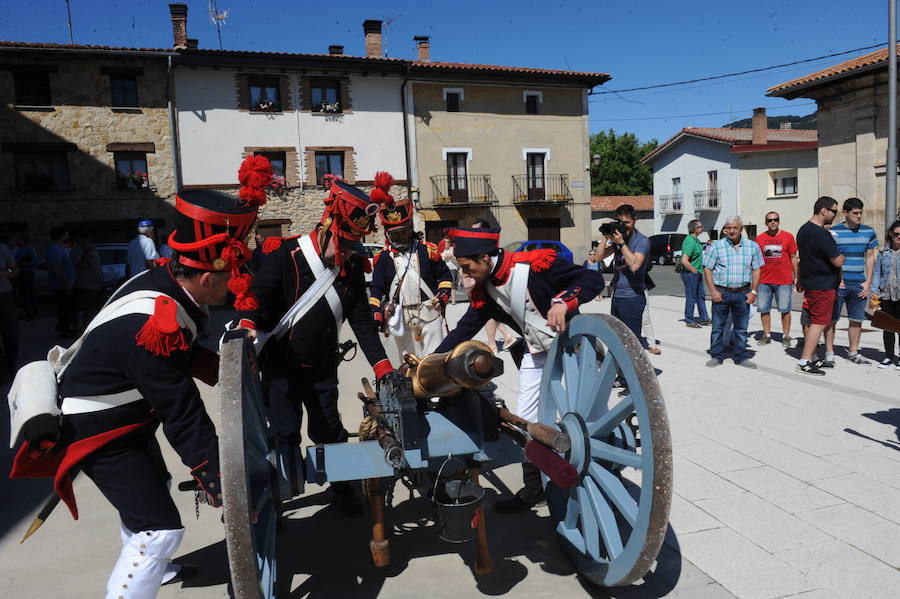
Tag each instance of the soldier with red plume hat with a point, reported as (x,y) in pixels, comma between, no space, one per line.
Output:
(131,371)
(307,287)
(411,284)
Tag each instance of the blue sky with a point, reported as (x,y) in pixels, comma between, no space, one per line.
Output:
(657,42)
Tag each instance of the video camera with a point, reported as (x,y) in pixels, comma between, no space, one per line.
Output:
(609,228)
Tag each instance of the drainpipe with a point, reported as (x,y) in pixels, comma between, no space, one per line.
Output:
(406,155)
(173,124)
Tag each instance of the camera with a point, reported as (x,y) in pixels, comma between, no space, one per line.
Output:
(609,228)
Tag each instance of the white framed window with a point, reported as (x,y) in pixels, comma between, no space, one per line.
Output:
(533,100)
(453,97)
(544,151)
(466,151)
(784,183)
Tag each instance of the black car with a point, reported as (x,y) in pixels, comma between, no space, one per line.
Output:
(666,247)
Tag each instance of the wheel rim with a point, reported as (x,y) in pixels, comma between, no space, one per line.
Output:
(250,493)
(611,529)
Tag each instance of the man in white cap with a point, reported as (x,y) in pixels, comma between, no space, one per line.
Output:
(141,250)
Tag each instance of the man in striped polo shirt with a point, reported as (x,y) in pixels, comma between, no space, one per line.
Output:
(857,242)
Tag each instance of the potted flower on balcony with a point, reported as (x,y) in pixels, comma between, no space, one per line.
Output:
(133,180)
(266,106)
(277,188)
(330,107)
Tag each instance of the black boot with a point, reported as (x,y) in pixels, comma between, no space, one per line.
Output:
(529,496)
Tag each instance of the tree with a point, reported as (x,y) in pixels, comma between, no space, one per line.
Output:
(620,172)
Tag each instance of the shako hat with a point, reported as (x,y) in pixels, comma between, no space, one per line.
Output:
(392,214)
(470,242)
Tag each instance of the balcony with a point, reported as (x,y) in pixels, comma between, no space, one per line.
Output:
(451,192)
(707,200)
(549,189)
(672,203)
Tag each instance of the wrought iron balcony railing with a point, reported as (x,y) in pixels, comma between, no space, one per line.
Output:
(707,200)
(468,189)
(530,189)
(672,203)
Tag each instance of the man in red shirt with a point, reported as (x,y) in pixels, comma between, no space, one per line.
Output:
(777,277)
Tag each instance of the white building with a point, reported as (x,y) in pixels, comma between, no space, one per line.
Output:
(711,173)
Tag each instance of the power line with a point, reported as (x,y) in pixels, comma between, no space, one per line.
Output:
(757,70)
(684,116)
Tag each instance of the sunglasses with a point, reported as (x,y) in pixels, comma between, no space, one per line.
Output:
(832,210)
(773,220)
(896,233)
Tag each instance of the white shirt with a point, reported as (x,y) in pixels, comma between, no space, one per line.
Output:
(140,249)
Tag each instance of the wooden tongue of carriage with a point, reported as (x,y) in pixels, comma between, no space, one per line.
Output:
(602,444)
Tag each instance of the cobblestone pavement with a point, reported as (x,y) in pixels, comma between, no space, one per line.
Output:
(785,485)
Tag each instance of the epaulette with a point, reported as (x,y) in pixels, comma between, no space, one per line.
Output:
(271,244)
(161,334)
(377,256)
(433,252)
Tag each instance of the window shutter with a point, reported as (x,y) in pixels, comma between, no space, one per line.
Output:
(243,89)
(306,95)
(345,94)
(284,88)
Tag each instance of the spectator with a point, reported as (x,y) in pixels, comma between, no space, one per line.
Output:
(777,277)
(857,243)
(648,330)
(9,326)
(165,250)
(26,258)
(61,277)
(731,271)
(630,253)
(141,250)
(692,276)
(592,263)
(818,278)
(88,278)
(445,249)
(886,288)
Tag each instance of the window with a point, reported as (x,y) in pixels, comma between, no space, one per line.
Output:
(32,89)
(325,95)
(785,182)
(676,185)
(265,94)
(531,104)
(712,180)
(278,161)
(124,91)
(329,163)
(131,170)
(42,171)
(452,102)
(457,181)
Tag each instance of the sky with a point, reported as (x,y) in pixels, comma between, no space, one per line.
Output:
(637,44)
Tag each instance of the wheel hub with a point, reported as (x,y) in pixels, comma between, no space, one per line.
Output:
(580,454)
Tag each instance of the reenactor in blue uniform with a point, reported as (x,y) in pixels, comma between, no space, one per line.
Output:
(131,372)
(411,284)
(536,294)
(300,366)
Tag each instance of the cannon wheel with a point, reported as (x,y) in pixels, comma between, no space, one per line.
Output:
(612,532)
(250,493)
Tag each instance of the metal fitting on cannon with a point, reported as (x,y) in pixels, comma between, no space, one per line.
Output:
(470,365)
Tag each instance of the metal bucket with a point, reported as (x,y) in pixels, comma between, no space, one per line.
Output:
(457,505)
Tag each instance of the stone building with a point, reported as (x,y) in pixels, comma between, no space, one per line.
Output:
(852,116)
(507,144)
(85,139)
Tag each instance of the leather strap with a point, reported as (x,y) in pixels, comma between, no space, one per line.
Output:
(319,270)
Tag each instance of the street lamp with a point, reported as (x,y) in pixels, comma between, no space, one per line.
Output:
(596,159)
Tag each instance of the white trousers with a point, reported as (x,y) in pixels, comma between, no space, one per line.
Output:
(432,331)
(143,563)
(528,402)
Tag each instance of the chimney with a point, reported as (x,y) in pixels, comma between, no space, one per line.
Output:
(786,125)
(760,133)
(335,49)
(179,25)
(372,29)
(424,45)
(193,43)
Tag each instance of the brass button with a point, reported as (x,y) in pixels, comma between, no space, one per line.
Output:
(212,485)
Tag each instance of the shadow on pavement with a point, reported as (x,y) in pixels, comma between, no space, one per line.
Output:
(890,417)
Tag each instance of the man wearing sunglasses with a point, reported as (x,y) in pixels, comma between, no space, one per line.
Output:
(777,277)
(818,277)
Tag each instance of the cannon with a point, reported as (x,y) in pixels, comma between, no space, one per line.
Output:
(602,443)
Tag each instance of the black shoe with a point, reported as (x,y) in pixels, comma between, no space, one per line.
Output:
(344,498)
(516,504)
(187,571)
(823,363)
(810,368)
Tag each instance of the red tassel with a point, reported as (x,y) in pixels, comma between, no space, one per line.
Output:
(381,193)
(240,284)
(246,303)
(161,335)
(254,175)
(366,264)
(476,296)
(271,244)
(539,259)
(161,261)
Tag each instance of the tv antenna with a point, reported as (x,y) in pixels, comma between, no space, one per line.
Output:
(218,18)
(69,12)
(386,27)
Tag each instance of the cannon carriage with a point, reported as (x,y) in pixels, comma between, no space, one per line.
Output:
(602,444)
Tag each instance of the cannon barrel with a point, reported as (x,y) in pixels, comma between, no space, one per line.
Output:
(469,365)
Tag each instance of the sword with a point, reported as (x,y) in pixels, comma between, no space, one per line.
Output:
(45,511)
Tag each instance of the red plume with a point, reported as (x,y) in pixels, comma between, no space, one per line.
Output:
(381,193)
(254,175)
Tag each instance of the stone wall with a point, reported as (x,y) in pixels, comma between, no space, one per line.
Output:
(81,115)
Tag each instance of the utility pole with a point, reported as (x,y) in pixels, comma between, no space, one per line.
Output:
(890,172)
(69,13)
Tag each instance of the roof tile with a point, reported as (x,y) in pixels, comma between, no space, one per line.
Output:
(870,59)
(610,203)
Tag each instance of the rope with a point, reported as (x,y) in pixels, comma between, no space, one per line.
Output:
(368,429)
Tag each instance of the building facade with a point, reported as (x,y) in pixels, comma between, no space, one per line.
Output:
(506,144)
(852,115)
(713,173)
(85,139)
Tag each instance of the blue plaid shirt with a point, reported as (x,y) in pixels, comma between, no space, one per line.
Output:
(733,266)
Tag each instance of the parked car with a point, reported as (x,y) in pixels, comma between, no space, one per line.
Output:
(369,250)
(666,247)
(540,244)
(112,263)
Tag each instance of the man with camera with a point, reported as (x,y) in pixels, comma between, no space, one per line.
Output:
(630,249)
